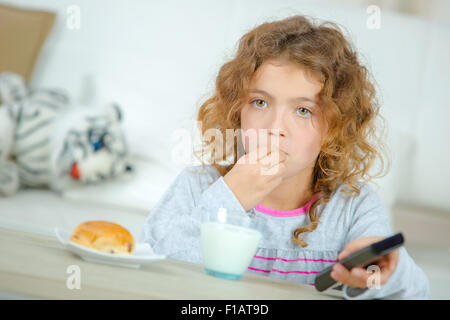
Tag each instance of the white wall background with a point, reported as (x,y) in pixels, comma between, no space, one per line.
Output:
(158,59)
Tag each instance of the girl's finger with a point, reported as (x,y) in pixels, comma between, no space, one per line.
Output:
(273,158)
(393,259)
(271,162)
(275,170)
(259,152)
(264,150)
(385,274)
(360,275)
(383,264)
(388,269)
(350,278)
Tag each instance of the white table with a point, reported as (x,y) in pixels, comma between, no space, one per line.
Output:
(35,266)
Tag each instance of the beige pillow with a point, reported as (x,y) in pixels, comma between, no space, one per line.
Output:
(22,33)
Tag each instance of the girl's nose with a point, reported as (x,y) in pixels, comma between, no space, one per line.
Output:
(277,131)
(276,137)
(277,126)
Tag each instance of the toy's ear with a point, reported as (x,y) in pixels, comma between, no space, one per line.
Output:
(114,112)
(13,87)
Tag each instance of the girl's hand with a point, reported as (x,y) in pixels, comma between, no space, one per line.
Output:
(253,176)
(387,265)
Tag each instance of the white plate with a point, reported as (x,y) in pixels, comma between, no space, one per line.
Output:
(144,254)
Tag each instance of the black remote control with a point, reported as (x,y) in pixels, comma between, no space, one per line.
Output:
(361,258)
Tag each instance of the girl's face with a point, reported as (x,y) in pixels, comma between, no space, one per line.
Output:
(283,96)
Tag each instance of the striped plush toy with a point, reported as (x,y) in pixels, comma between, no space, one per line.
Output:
(46,142)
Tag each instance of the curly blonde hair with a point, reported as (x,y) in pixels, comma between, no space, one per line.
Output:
(347,99)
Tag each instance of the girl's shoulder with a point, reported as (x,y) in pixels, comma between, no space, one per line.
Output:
(353,216)
(202,170)
(365,192)
(359,206)
(200,176)
(343,201)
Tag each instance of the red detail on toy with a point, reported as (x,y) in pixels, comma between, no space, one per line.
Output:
(75,172)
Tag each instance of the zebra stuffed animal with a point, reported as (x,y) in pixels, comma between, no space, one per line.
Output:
(46,142)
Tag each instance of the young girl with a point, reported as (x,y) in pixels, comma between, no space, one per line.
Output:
(303,83)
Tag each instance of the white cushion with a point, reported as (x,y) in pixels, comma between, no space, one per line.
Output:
(140,191)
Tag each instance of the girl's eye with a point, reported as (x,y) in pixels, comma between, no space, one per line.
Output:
(303,111)
(259,103)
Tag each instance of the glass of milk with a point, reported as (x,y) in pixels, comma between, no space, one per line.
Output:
(228,242)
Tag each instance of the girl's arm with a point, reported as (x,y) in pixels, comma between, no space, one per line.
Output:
(408,281)
(173,225)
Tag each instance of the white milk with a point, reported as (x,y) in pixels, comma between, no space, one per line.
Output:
(228,248)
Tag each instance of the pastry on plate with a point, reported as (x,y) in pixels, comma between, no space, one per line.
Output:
(104,236)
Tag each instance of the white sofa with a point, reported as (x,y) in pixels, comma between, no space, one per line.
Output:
(159,59)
